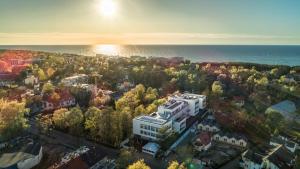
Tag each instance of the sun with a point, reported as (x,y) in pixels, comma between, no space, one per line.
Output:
(108,8)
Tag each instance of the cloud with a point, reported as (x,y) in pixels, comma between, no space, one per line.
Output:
(141,38)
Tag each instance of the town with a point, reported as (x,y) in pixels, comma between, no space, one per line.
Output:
(67,111)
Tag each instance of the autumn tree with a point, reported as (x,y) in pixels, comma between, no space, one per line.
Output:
(12,120)
(138,165)
(176,165)
(48,88)
(217,88)
(125,158)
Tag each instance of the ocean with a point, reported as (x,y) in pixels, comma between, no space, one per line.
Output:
(263,54)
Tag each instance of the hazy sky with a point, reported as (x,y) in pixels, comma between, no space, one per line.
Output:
(150,22)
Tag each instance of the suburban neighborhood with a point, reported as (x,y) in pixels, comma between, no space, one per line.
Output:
(107,113)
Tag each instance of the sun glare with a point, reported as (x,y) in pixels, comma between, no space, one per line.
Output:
(110,50)
(108,8)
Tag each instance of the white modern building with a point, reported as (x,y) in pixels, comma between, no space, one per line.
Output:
(170,116)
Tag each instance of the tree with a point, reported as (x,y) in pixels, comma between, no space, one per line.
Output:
(41,74)
(75,120)
(12,120)
(59,117)
(125,158)
(217,88)
(70,120)
(138,165)
(176,165)
(48,88)
(274,121)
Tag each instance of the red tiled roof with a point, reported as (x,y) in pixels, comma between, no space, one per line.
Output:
(65,95)
(205,138)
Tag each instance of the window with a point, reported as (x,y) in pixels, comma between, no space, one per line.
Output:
(142,132)
(142,126)
(233,141)
(152,128)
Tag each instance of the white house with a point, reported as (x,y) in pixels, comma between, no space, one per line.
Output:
(231,138)
(171,116)
(31,80)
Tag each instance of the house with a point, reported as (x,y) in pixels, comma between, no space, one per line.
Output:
(105,163)
(286,108)
(203,141)
(231,138)
(25,155)
(281,140)
(238,101)
(171,116)
(65,100)
(151,148)
(125,86)
(31,80)
(209,125)
(75,80)
(84,158)
(268,157)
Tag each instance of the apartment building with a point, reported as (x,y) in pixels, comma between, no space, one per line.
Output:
(170,116)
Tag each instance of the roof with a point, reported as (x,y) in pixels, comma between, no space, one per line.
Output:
(152,119)
(280,140)
(151,146)
(254,156)
(232,135)
(204,138)
(284,108)
(281,157)
(11,159)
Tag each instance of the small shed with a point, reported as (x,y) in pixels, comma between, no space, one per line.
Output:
(151,148)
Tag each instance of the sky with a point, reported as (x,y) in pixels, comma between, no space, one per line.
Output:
(39,22)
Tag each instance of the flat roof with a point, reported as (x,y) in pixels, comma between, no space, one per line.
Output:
(152,119)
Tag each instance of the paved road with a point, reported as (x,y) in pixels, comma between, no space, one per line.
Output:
(71,141)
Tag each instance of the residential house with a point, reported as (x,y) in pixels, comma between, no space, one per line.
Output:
(203,141)
(281,140)
(75,80)
(231,138)
(65,100)
(171,116)
(268,157)
(31,80)
(238,101)
(84,158)
(209,125)
(25,155)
